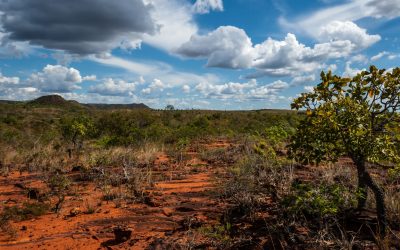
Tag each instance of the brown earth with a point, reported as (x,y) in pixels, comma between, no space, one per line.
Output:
(183,200)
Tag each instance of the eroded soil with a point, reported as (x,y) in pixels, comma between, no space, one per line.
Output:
(183,199)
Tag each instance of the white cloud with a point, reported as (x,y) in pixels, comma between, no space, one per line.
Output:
(230,47)
(388,55)
(205,6)
(142,80)
(289,57)
(12,49)
(18,93)
(155,69)
(268,92)
(225,47)
(351,10)
(112,87)
(56,78)
(299,80)
(309,88)
(223,90)
(359,58)
(8,80)
(346,30)
(90,78)
(186,89)
(383,8)
(175,24)
(351,72)
(156,85)
(240,92)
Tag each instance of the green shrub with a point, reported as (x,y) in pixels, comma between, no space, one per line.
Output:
(318,201)
(25,212)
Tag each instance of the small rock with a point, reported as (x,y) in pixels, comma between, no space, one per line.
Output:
(167,211)
(77,169)
(74,212)
(20,185)
(24,228)
(184,209)
(122,233)
(33,194)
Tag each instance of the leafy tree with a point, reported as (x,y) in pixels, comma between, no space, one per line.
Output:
(75,130)
(169,107)
(350,117)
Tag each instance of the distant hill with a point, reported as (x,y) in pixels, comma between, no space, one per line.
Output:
(54,100)
(117,106)
(59,101)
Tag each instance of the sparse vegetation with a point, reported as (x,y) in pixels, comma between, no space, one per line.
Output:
(214,179)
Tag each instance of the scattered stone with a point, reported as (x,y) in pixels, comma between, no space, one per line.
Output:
(74,212)
(33,194)
(122,233)
(20,185)
(184,209)
(167,211)
(24,228)
(77,169)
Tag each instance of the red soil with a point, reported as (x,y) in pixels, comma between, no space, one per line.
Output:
(178,204)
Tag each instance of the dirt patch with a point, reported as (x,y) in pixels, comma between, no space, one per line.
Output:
(177,205)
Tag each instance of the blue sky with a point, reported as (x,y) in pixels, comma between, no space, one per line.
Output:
(208,54)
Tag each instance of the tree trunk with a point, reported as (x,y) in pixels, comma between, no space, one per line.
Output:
(362,189)
(380,203)
(365,181)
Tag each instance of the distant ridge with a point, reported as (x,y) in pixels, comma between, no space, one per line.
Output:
(53,100)
(59,101)
(117,106)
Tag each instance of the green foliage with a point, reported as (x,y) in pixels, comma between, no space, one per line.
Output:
(394,173)
(76,129)
(276,136)
(349,117)
(169,107)
(59,183)
(320,201)
(25,212)
(219,232)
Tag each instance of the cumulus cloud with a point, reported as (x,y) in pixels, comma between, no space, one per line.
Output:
(186,88)
(289,57)
(300,80)
(225,47)
(156,85)
(112,87)
(4,80)
(77,26)
(269,91)
(309,88)
(205,6)
(230,47)
(223,90)
(351,72)
(90,78)
(56,78)
(18,93)
(346,30)
(240,92)
(175,24)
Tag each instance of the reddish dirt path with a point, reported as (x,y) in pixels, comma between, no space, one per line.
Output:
(185,198)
